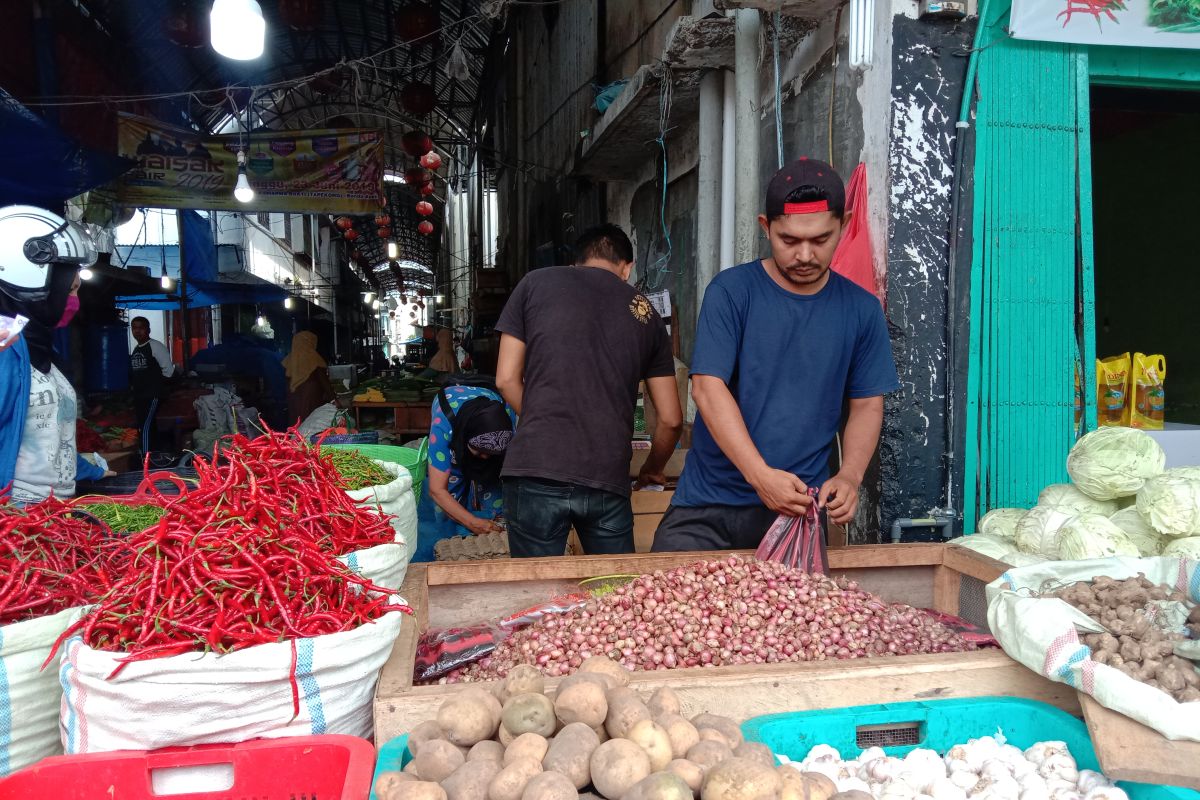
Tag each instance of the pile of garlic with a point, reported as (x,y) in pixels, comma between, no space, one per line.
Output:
(982,769)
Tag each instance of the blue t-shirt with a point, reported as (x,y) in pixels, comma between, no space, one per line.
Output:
(485,501)
(791,361)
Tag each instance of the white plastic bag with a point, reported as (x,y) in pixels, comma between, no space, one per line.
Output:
(204,698)
(29,695)
(1043,634)
(386,564)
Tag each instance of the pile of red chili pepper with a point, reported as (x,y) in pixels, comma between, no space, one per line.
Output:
(50,559)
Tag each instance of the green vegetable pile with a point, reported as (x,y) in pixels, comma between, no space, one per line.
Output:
(1176,16)
(357,470)
(122,518)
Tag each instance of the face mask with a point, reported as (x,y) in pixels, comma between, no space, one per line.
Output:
(69,311)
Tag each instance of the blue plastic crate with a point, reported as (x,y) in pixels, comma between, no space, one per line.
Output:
(937,725)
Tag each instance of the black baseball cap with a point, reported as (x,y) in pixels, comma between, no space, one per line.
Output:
(828,193)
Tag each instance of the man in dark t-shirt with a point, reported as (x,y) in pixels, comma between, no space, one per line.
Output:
(576,343)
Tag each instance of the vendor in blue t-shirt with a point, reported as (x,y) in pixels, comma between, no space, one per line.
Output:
(782,346)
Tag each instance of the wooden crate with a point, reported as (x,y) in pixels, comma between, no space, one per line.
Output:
(923,575)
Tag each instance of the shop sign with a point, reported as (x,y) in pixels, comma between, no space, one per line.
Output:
(1130,23)
(323,171)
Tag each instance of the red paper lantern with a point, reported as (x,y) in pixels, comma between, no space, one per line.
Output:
(426,228)
(426,189)
(416,143)
(186,24)
(351,235)
(344,223)
(418,98)
(384,233)
(425,209)
(416,21)
(431,160)
(301,15)
(383,220)
(417,176)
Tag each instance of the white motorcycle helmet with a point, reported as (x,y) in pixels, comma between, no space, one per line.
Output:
(31,239)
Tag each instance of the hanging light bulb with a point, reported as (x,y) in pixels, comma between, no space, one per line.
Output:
(242,191)
(287,302)
(393,251)
(237,29)
(86,274)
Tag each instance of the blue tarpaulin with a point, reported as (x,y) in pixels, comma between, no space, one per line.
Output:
(40,165)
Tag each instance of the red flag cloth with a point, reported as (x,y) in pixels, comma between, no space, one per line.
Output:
(854,258)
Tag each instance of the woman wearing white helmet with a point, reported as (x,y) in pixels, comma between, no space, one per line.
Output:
(40,258)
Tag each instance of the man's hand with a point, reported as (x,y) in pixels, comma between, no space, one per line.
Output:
(839,496)
(646,478)
(480,527)
(782,492)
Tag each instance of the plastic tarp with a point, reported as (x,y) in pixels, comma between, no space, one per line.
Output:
(42,166)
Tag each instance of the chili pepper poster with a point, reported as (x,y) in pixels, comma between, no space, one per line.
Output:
(315,171)
(1132,23)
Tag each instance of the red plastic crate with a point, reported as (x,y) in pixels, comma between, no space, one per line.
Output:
(298,768)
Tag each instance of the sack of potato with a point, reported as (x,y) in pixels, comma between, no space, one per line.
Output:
(594,737)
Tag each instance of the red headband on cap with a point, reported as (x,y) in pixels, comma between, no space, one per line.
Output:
(815,207)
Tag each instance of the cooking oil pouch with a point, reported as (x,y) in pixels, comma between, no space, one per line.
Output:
(1149,399)
(1112,390)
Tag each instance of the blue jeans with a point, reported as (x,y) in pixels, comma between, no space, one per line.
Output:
(540,514)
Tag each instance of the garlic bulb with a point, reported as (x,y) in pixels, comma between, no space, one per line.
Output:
(1106,793)
(1089,780)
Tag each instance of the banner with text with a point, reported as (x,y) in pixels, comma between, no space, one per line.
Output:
(319,171)
(1131,23)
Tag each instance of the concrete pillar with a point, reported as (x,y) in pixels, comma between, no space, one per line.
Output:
(748,199)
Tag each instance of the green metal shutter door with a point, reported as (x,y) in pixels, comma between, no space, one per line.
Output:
(1020,404)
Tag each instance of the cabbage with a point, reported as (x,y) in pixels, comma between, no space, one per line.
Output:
(1001,522)
(1066,497)
(1093,536)
(1148,541)
(1037,532)
(996,547)
(1114,462)
(1171,505)
(1186,546)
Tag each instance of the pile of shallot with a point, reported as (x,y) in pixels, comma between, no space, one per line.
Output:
(714,613)
(982,769)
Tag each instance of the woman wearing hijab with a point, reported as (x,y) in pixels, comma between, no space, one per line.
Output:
(308,378)
(41,256)
(471,429)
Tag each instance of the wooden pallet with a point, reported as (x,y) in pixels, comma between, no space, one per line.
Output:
(922,575)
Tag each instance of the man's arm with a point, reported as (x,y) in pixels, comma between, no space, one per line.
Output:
(664,394)
(510,371)
(840,493)
(780,491)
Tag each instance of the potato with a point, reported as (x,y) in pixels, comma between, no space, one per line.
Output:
(617,765)
(799,785)
(664,701)
(725,725)
(753,751)
(625,709)
(416,790)
(471,780)
(550,786)
(529,713)
(691,772)
(581,701)
(740,779)
(523,679)
(437,760)
(469,717)
(527,745)
(660,786)
(422,733)
(487,750)
(509,783)
(713,735)
(652,738)
(682,733)
(709,754)
(388,783)
(571,753)
(607,666)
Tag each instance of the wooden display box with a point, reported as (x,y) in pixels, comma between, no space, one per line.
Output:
(923,575)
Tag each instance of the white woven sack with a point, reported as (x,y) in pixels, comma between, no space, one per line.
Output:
(204,698)
(1043,634)
(395,499)
(29,695)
